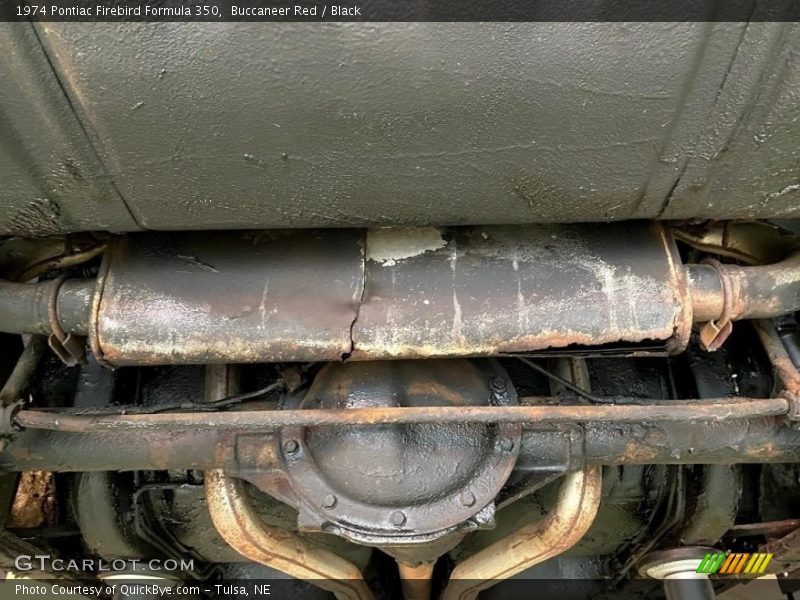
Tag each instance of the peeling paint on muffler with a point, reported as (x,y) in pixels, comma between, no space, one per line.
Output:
(282,296)
(496,290)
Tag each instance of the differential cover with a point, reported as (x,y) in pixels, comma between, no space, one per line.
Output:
(379,483)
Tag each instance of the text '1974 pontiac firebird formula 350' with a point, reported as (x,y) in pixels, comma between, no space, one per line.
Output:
(415,310)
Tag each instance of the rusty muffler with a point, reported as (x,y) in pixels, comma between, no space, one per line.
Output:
(389,294)
(329,295)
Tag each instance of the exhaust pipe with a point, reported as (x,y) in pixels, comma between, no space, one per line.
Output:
(570,519)
(245,532)
(277,548)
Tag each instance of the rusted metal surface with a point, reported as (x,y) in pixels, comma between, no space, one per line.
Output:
(752,242)
(311,295)
(496,290)
(240,525)
(23,259)
(785,548)
(537,410)
(568,521)
(35,501)
(755,440)
(438,479)
(117,451)
(712,508)
(713,333)
(12,547)
(228,297)
(763,440)
(415,579)
(20,377)
(243,529)
(73,305)
(68,347)
(396,293)
(221,381)
(757,292)
(26,307)
(768,528)
(776,352)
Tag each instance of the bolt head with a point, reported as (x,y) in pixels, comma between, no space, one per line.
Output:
(291,446)
(397,518)
(506,445)
(468,498)
(329,501)
(498,383)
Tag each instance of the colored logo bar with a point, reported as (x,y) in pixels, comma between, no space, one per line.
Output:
(734,563)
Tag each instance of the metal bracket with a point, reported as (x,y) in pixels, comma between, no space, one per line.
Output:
(8,414)
(69,348)
(714,333)
(794,406)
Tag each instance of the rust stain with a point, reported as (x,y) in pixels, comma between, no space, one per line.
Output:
(415,579)
(764,451)
(533,410)
(637,453)
(35,501)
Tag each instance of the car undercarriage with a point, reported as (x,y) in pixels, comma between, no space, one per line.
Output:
(508,314)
